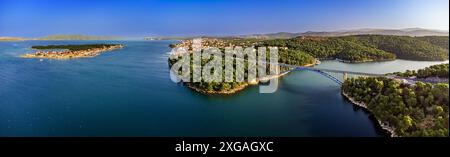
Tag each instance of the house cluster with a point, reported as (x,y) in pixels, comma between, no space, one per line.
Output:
(206,43)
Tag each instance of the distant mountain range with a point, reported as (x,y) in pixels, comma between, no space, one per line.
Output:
(280,35)
(77,37)
(398,32)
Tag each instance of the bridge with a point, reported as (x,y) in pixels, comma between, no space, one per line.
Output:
(337,76)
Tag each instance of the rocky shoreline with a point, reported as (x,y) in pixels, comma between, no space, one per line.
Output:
(242,87)
(235,90)
(383,126)
(69,54)
(228,92)
(363,61)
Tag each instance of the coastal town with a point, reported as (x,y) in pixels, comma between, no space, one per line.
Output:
(219,43)
(74,51)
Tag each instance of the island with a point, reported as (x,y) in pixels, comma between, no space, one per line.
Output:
(71,51)
(62,37)
(401,108)
(12,38)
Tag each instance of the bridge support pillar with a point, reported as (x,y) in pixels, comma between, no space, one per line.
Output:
(345,76)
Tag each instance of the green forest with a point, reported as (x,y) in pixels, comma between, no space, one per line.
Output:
(413,110)
(440,70)
(293,57)
(330,48)
(405,47)
(441,41)
(361,48)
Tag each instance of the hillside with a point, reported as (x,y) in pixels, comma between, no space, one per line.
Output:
(360,48)
(397,32)
(405,47)
(441,41)
(328,48)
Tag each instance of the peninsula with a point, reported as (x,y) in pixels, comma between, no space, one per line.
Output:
(70,51)
(306,50)
(403,109)
(293,57)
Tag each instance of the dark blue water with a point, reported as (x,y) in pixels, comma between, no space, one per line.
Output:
(128,92)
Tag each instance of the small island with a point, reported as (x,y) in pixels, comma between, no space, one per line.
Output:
(70,51)
(12,38)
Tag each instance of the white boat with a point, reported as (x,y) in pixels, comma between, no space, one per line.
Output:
(317,62)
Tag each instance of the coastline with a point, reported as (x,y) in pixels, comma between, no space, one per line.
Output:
(383,126)
(228,92)
(238,89)
(242,87)
(363,61)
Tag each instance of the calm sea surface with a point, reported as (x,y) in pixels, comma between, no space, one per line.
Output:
(128,92)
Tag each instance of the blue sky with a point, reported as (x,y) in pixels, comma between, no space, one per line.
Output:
(135,18)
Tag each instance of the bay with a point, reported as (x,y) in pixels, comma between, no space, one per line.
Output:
(128,92)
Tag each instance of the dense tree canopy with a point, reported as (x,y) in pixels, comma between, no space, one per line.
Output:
(405,47)
(440,70)
(361,48)
(413,110)
(321,47)
(441,41)
(293,57)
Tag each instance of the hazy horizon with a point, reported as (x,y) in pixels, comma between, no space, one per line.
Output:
(225,35)
(38,18)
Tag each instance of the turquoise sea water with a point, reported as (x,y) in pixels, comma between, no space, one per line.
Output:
(128,92)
